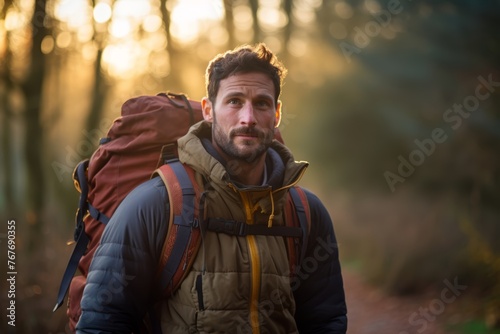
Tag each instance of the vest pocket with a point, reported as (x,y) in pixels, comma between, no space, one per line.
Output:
(199,291)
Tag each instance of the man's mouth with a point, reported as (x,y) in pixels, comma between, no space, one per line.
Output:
(246,134)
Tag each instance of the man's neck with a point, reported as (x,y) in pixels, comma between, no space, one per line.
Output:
(250,174)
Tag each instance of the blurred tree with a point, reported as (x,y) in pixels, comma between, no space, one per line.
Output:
(404,75)
(173,54)
(7,86)
(32,88)
(254,6)
(288,7)
(229,18)
(100,87)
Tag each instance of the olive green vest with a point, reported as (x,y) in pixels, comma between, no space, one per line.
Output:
(236,284)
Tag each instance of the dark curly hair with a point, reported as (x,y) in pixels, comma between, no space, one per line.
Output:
(244,59)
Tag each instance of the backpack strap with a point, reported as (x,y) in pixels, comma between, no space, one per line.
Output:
(173,96)
(297,215)
(242,229)
(81,238)
(296,230)
(183,236)
(184,231)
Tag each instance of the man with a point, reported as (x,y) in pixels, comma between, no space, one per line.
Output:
(237,284)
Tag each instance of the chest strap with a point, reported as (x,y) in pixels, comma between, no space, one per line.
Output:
(241,229)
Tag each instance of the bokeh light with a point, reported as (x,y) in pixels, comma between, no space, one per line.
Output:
(102,12)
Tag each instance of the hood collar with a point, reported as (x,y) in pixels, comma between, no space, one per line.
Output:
(282,169)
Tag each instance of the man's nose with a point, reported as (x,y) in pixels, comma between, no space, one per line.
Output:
(247,114)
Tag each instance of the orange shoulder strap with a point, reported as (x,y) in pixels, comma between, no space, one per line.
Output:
(297,214)
(183,236)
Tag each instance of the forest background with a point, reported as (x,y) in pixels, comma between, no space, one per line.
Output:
(394,103)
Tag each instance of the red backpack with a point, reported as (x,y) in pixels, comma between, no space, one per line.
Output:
(142,143)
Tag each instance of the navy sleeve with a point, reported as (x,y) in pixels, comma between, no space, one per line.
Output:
(119,285)
(318,286)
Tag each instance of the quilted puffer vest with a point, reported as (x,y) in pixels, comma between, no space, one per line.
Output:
(237,284)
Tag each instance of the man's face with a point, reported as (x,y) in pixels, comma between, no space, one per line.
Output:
(244,116)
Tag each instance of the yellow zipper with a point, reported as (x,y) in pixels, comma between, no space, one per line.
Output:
(254,256)
(254,265)
(254,301)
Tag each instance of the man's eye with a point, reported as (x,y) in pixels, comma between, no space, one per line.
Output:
(234,101)
(263,104)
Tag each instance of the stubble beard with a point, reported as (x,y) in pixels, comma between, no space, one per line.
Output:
(227,144)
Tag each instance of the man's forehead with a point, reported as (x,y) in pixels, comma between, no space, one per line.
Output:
(240,82)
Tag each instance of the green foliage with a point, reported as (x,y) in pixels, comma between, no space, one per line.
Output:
(385,108)
(474,327)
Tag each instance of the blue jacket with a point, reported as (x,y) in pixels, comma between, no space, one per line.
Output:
(121,289)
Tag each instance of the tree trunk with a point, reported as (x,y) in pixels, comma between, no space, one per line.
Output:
(99,93)
(33,142)
(288,6)
(174,79)
(228,6)
(254,6)
(6,116)
(8,190)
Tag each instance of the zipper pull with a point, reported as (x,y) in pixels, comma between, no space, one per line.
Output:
(270,221)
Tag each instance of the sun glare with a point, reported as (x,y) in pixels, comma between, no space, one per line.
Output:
(134,29)
(242,17)
(152,23)
(102,12)
(125,59)
(191,18)
(272,18)
(136,9)
(15,20)
(120,28)
(73,13)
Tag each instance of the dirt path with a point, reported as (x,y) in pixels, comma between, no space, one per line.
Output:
(370,311)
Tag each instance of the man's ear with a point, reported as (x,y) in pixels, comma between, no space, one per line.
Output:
(207,109)
(278,114)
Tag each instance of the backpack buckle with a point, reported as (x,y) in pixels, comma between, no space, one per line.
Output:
(231,227)
(168,154)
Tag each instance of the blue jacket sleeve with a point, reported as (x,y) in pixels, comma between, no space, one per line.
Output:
(119,286)
(318,286)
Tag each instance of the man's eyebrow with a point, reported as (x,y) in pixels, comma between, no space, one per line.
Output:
(265,96)
(233,94)
(262,96)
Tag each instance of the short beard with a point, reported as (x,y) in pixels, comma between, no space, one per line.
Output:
(226,142)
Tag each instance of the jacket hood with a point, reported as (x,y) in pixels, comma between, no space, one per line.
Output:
(196,150)
(262,204)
